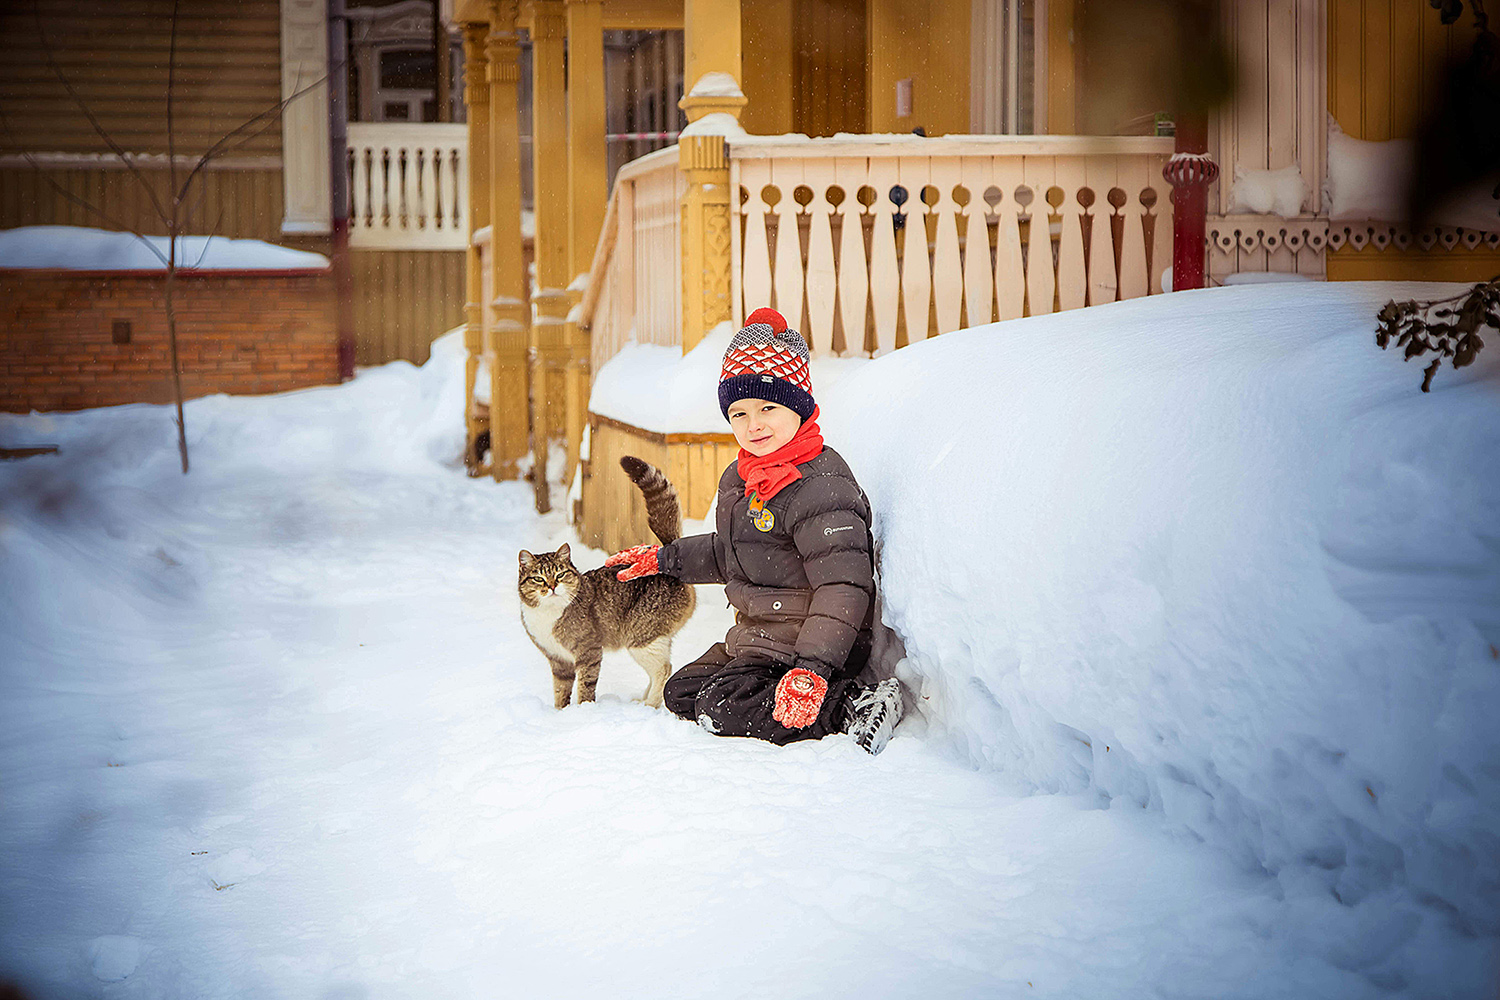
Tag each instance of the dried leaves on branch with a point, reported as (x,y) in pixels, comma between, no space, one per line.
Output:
(1447,327)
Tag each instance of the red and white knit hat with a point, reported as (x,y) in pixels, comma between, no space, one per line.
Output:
(767,361)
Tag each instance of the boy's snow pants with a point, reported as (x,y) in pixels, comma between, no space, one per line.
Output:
(735,697)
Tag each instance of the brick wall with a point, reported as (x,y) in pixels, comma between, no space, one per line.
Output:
(64,347)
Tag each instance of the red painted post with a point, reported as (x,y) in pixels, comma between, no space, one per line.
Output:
(1190,171)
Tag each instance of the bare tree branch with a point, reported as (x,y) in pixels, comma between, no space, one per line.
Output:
(80,202)
(82,106)
(222,145)
(172,135)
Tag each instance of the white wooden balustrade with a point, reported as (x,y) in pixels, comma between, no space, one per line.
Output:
(635,286)
(408,186)
(867,243)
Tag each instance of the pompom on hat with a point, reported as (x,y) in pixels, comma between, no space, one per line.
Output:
(767,361)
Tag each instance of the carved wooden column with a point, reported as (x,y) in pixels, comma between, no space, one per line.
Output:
(711,44)
(550,187)
(1190,171)
(588,195)
(705,236)
(476,100)
(304,122)
(509,418)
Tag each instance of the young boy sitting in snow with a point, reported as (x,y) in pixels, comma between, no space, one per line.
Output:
(792,546)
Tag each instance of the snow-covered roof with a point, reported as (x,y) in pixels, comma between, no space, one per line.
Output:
(78,248)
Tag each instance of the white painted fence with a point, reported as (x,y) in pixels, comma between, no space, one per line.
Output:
(868,243)
(408,186)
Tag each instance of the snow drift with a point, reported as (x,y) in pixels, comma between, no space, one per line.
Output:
(80,248)
(1214,554)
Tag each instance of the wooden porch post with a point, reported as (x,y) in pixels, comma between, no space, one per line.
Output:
(508,329)
(550,184)
(588,194)
(712,45)
(476,99)
(1190,171)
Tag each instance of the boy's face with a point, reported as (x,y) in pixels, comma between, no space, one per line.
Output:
(760,426)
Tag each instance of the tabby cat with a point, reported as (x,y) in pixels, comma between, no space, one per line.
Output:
(574,617)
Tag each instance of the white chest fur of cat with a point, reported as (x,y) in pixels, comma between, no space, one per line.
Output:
(574,617)
(542,619)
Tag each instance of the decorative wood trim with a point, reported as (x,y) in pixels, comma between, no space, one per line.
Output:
(751,147)
(304,122)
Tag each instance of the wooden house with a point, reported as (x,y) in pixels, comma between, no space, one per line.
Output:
(235,62)
(1036,183)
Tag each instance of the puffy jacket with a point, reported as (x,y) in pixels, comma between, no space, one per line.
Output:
(802,580)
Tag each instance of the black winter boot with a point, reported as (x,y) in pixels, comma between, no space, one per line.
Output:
(870,714)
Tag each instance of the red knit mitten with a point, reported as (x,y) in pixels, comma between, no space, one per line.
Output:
(799,696)
(638,560)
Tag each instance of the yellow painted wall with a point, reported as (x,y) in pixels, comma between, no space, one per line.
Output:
(766,62)
(928,41)
(1385,59)
(1062,68)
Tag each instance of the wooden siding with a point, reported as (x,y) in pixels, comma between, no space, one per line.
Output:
(115,54)
(239,204)
(1385,58)
(693,462)
(402,300)
(1385,62)
(1370,264)
(828,90)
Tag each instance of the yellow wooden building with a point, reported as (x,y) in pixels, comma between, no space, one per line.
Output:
(831,142)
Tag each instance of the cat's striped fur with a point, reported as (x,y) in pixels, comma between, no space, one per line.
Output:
(574,617)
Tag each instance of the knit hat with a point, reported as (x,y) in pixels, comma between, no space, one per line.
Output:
(767,361)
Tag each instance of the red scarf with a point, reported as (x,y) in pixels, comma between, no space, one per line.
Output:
(768,475)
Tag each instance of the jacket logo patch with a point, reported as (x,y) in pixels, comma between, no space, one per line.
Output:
(847,527)
(763,521)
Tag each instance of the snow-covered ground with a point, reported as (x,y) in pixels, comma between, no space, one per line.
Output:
(274,729)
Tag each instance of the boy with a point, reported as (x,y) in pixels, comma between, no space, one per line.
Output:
(793,548)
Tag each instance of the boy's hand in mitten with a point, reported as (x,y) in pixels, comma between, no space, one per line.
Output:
(638,560)
(799,697)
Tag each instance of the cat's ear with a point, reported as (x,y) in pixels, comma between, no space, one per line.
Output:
(527,559)
(563,552)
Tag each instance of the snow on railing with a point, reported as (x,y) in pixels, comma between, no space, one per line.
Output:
(408,186)
(867,243)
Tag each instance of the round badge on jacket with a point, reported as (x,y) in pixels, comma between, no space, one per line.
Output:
(764,521)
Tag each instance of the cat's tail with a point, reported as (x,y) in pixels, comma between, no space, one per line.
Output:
(663,513)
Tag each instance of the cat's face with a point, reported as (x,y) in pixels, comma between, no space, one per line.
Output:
(548,576)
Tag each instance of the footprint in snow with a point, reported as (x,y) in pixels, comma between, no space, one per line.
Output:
(114,957)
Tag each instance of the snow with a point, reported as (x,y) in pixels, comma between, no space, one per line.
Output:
(658,388)
(716,84)
(715,123)
(274,728)
(1218,559)
(76,248)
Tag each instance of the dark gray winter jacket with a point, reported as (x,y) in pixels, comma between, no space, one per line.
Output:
(803,580)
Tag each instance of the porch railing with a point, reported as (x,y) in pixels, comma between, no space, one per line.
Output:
(869,243)
(635,284)
(408,186)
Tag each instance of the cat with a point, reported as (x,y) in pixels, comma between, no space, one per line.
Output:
(574,617)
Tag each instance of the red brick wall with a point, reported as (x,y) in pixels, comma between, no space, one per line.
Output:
(237,332)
